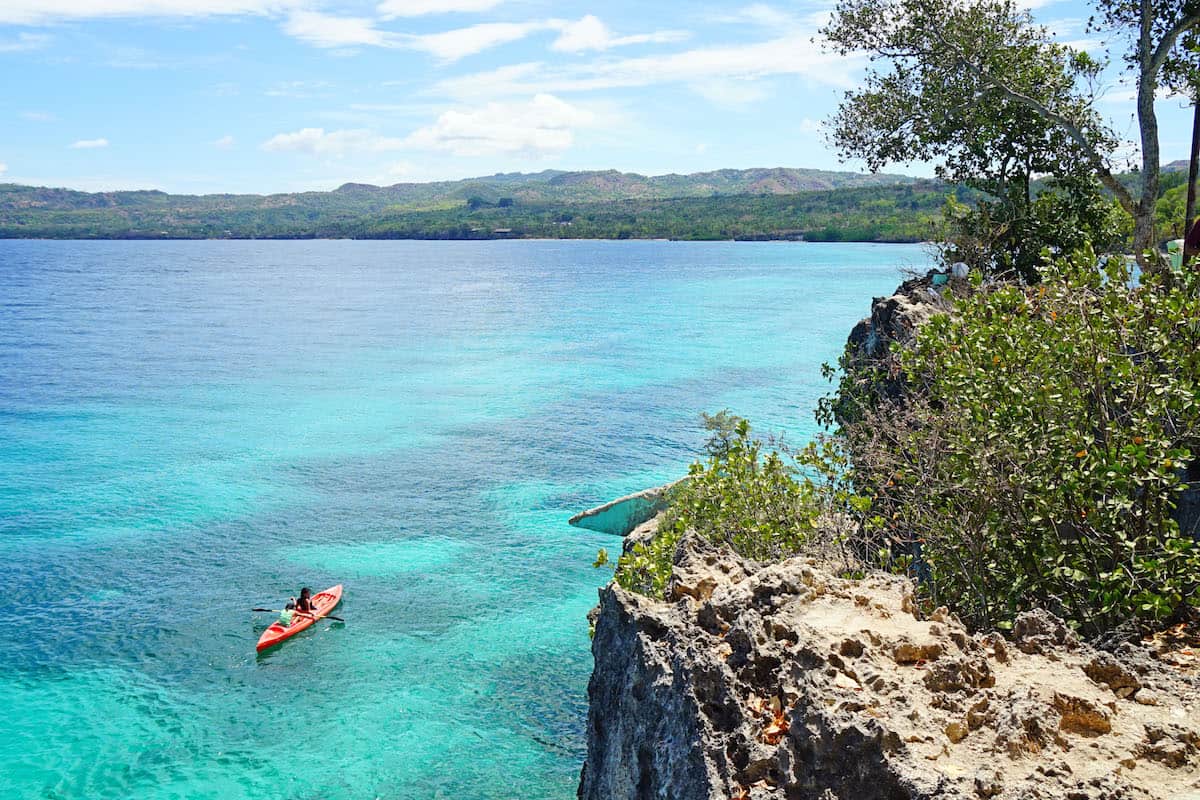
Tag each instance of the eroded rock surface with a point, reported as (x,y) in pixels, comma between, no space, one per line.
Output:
(783,681)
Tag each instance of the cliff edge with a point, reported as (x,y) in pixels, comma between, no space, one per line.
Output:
(785,681)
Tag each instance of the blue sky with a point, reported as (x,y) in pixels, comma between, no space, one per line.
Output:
(281,95)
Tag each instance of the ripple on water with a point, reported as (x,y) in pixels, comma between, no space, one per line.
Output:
(377,559)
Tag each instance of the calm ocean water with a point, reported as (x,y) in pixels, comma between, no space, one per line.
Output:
(188,430)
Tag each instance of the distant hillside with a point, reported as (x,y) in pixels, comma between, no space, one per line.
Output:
(883,212)
(546,186)
(354,209)
(596,186)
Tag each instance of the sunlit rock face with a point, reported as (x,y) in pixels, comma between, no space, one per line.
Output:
(786,681)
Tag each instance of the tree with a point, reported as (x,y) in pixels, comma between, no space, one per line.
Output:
(1159,32)
(980,88)
(1181,74)
(1034,460)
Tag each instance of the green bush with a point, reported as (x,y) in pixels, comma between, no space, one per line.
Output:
(1006,236)
(1036,457)
(754,501)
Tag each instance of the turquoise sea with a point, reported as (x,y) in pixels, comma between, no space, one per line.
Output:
(191,429)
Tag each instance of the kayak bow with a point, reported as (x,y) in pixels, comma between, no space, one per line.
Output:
(322,603)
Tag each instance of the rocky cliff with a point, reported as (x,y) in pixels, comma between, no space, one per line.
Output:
(785,681)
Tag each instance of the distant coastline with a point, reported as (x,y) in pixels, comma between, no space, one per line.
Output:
(734,240)
(745,205)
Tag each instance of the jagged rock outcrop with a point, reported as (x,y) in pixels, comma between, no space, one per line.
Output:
(869,364)
(784,681)
(896,318)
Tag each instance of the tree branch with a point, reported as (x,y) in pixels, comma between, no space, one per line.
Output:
(1070,126)
(1169,37)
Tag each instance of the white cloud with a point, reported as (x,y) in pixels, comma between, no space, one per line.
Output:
(3,168)
(329,31)
(24,41)
(89,144)
(390,9)
(792,54)
(455,44)
(224,143)
(589,33)
(731,94)
(1123,93)
(339,32)
(776,21)
(36,12)
(1085,45)
(332,144)
(326,30)
(38,116)
(544,125)
(300,89)
(761,14)
(394,173)
(1067,27)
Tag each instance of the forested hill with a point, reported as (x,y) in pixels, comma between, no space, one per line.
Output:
(758,203)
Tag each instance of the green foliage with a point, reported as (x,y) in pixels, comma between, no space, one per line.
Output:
(1169,213)
(965,89)
(726,428)
(1036,458)
(995,99)
(1007,238)
(752,500)
(907,212)
(646,567)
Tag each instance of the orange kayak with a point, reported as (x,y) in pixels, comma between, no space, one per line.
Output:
(322,603)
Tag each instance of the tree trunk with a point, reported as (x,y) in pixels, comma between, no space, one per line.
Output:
(1190,213)
(1143,241)
(1143,221)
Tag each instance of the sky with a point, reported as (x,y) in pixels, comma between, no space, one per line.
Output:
(203,96)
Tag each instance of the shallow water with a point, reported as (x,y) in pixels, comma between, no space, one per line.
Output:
(190,429)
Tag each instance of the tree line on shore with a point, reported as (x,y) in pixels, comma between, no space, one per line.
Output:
(889,213)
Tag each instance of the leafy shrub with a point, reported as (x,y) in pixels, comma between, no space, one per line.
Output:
(1006,236)
(1036,458)
(754,501)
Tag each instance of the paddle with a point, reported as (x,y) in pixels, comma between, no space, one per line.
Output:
(300,613)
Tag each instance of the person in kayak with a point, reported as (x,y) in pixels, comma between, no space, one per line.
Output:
(288,614)
(304,604)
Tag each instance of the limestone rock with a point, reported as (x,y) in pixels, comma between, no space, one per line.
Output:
(1105,669)
(1082,715)
(1039,631)
(786,682)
